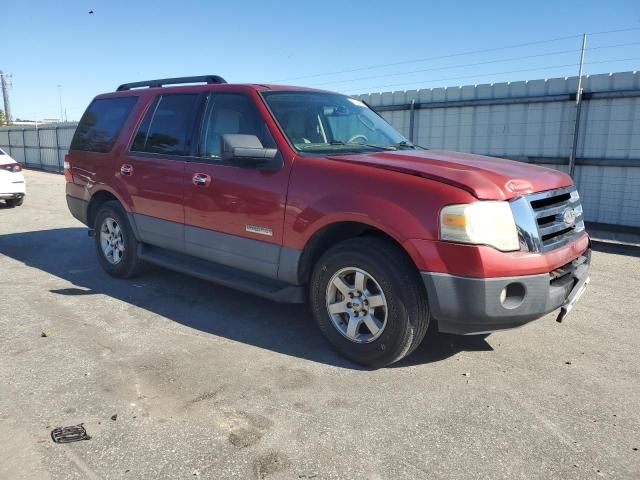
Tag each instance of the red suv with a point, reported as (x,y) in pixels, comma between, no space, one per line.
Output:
(292,193)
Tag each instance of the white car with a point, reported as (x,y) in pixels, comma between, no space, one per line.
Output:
(12,185)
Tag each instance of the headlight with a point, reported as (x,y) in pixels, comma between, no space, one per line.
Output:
(480,223)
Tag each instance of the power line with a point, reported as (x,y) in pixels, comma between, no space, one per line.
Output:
(502,73)
(459,54)
(404,62)
(448,67)
(613,31)
(613,46)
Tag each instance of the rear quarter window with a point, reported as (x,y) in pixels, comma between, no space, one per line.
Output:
(101,123)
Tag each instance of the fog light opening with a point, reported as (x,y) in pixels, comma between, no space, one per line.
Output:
(512,295)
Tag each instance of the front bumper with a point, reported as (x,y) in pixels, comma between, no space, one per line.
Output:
(12,184)
(5,196)
(465,305)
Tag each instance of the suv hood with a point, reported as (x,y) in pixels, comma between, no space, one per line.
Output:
(486,178)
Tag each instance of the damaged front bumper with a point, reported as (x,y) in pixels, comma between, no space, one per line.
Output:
(465,305)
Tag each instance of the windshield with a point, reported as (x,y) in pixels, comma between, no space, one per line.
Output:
(332,123)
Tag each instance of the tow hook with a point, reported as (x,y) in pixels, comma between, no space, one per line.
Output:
(91,232)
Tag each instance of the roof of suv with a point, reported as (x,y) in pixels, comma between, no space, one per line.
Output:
(186,84)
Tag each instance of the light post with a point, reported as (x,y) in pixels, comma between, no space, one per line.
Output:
(60,98)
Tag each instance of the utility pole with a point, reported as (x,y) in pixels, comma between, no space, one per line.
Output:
(576,128)
(5,97)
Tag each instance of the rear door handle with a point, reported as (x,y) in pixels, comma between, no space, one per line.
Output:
(126,170)
(201,180)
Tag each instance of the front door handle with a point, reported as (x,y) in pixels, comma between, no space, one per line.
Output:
(201,180)
(126,170)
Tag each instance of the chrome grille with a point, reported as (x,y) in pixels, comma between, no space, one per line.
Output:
(545,220)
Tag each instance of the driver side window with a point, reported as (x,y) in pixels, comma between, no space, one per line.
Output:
(231,113)
(353,127)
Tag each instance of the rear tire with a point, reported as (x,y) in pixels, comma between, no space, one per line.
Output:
(115,243)
(14,202)
(384,319)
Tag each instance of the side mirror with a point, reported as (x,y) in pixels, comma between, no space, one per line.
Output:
(247,151)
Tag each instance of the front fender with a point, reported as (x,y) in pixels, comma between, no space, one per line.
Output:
(386,216)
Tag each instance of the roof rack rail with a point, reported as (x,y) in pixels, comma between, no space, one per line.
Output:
(171,81)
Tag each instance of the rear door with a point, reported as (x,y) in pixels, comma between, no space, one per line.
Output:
(233,215)
(154,168)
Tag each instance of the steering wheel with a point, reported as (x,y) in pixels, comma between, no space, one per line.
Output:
(359,136)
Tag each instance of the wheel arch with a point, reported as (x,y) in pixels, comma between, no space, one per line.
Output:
(333,233)
(98,199)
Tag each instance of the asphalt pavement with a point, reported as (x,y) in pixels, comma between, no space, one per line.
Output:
(174,377)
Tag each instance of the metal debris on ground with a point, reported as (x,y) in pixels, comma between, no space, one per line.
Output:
(114,417)
(74,433)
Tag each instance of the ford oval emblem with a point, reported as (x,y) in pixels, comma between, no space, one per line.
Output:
(569,217)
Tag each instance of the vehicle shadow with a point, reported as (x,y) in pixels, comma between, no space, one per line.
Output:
(284,328)
(439,346)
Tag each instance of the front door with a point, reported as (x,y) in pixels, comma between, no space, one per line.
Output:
(154,169)
(234,216)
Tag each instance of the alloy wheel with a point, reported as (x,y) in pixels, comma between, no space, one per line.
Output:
(111,240)
(356,305)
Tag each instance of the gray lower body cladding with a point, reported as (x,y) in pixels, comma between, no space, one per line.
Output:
(264,259)
(78,208)
(465,305)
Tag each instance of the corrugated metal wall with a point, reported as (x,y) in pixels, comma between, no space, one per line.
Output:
(534,121)
(531,121)
(43,147)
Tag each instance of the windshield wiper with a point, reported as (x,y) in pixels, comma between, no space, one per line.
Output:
(356,144)
(404,144)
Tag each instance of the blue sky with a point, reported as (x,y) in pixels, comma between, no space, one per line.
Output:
(48,43)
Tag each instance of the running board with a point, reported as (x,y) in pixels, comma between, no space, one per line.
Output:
(223,275)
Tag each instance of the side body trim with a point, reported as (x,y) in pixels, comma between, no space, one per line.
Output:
(233,251)
(246,254)
(158,232)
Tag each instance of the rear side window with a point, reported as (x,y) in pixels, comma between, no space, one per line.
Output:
(101,123)
(166,127)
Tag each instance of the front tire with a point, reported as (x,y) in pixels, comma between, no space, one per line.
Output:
(369,302)
(14,202)
(115,243)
